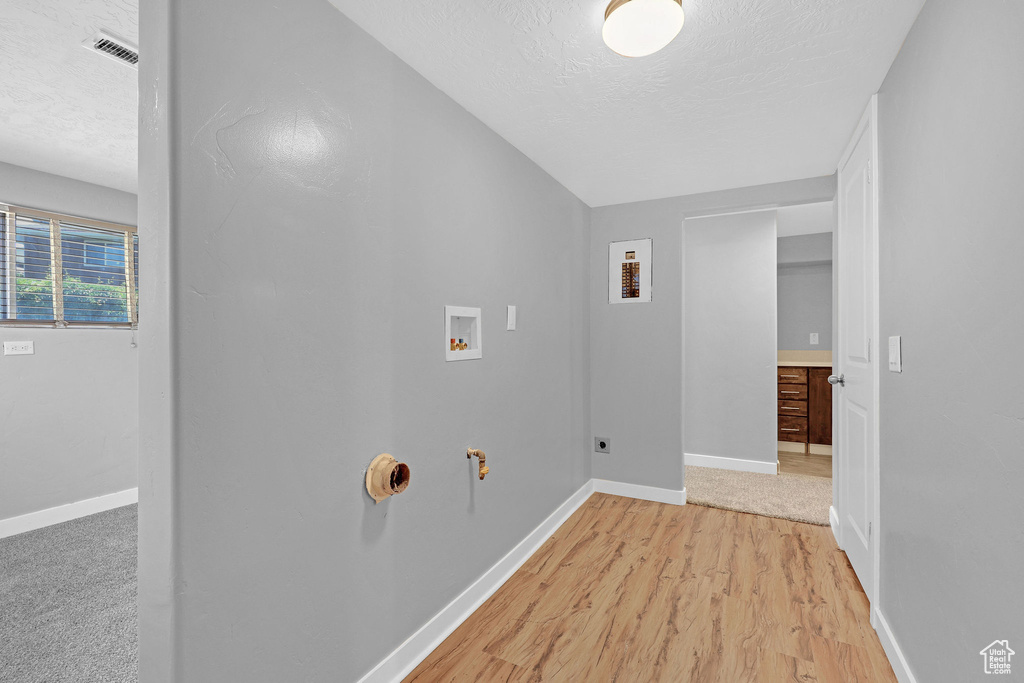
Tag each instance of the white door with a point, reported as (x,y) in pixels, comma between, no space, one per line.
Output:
(855,398)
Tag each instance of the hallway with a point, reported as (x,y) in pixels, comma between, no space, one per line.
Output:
(639,591)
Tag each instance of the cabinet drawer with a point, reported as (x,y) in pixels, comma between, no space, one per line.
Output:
(792,375)
(792,428)
(792,392)
(793,408)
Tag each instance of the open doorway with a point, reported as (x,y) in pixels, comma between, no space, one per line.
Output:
(805,309)
(758,331)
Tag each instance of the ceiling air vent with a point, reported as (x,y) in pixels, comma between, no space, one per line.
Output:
(111,46)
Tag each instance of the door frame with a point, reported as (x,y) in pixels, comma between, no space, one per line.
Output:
(869,120)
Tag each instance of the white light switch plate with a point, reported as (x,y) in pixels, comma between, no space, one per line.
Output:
(22,348)
(814,338)
(895,355)
(511,318)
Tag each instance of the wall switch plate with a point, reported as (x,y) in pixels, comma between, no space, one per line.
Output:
(895,355)
(22,348)
(814,338)
(511,319)
(602,445)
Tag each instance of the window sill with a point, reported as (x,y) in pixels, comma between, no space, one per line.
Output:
(42,324)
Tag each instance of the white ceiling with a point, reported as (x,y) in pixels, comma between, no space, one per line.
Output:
(64,109)
(805,219)
(751,92)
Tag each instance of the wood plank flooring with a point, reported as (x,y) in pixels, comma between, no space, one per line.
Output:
(810,464)
(635,591)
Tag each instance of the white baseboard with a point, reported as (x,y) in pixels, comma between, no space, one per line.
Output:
(833,521)
(892,650)
(658,495)
(65,513)
(415,649)
(814,448)
(718,462)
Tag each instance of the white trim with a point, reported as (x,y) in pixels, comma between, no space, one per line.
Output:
(735,212)
(805,448)
(892,649)
(876,534)
(415,649)
(833,521)
(641,492)
(718,462)
(63,513)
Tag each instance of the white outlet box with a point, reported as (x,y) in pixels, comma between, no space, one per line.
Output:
(22,348)
(814,338)
(462,327)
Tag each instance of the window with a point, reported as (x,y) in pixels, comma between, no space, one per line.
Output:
(66,271)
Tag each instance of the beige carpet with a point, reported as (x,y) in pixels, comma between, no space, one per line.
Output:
(788,496)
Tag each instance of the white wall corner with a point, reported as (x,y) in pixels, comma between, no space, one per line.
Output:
(737,464)
(641,492)
(892,649)
(65,513)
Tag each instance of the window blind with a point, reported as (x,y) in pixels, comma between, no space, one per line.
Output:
(27,288)
(94,279)
(66,271)
(135,275)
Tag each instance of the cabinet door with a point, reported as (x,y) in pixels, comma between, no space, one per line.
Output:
(819,406)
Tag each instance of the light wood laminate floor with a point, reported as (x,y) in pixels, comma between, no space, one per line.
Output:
(635,591)
(811,464)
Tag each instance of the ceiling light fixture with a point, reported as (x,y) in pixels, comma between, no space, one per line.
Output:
(637,28)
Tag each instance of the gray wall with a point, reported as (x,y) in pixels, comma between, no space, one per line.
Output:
(70,429)
(38,190)
(805,306)
(952,424)
(805,291)
(636,351)
(321,206)
(730,329)
(802,249)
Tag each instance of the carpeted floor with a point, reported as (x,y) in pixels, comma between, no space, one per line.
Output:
(795,497)
(67,601)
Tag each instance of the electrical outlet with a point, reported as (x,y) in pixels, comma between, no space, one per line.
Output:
(814,338)
(22,348)
(602,445)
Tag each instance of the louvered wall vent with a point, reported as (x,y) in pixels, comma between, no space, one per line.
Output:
(111,46)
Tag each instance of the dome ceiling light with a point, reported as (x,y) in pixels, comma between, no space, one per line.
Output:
(637,28)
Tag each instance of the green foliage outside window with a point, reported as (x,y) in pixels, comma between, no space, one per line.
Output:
(104,301)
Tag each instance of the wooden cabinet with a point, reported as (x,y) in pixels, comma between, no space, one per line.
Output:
(819,406)
(805,405)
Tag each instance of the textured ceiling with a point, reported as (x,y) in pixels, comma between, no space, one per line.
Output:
(751,92)
(64,109)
